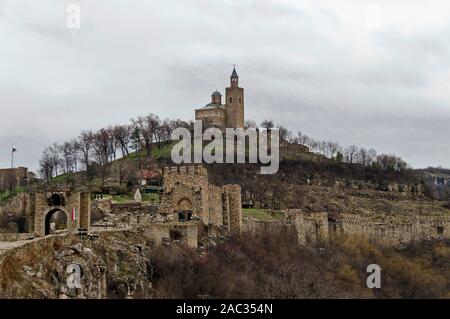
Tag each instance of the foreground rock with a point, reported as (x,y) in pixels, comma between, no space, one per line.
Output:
(116,265)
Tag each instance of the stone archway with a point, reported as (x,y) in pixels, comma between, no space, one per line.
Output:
(57,216)
(184,209)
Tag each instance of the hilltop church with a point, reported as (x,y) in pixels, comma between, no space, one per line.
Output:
(230,114)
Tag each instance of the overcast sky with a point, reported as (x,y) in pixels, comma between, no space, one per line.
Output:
(370,73)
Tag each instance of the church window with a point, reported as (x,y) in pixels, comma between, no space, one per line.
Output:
(231,100)
(240,101)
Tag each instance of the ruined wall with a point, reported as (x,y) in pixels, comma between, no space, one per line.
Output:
(85,210)
(19,204)
(391,232)
(219,206)
(320,227)
(189,234)
(185,182)
(215,205)
(234,208)
(72,200)
(316,227)
(272,226)
(13,176)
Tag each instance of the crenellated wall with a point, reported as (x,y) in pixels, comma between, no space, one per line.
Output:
(186,189)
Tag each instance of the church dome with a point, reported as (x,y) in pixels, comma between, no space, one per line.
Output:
(216,93)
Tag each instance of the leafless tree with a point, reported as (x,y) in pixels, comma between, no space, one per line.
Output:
(350,154)
(101,146)
(76,148)
(303,139)
(333,149)
(267,124)
(147,128)
(122,134)
(67,156)
(86,141)
(102,151)
(250,124)
(49,162)
(113,143)
(391,163)
(285,134)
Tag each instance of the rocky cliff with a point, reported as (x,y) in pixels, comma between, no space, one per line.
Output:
(112,265)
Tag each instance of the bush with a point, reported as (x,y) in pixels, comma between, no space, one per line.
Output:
(274,266)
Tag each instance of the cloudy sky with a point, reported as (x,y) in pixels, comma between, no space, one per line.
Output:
(370,73)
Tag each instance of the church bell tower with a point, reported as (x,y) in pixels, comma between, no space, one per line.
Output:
(234,101)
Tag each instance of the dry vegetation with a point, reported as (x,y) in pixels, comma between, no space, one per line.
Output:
(271,266)
(364,202)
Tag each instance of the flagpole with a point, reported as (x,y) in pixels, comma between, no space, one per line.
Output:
(13,150)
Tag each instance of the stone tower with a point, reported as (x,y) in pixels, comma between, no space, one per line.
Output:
(234,101)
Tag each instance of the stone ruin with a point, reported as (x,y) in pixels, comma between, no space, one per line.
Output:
(39,208)
(188,196)
(190,209)
(323,227)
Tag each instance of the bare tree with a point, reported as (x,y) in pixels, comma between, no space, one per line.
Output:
(122,134)
(250,124)
(102,151)
(285,134)
(113,143)
(102,146)
(303,139)
(49,162)
(147,128)
(68,156)
(86,141)
(333,149)
(267,124)
(350,154)
(391,163)
(76,148)
(371,156)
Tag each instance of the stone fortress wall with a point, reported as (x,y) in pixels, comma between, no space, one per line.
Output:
(320,227)
(13,176)
(186,189)
(38,206)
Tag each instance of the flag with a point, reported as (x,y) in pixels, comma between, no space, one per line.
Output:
(74,214)
(14,149)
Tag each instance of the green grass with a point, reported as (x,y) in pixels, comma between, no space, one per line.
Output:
(262,214)
(62,177)
(157,152)
(6,195)
(150,198)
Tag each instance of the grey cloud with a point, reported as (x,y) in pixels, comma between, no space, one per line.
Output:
(308,65)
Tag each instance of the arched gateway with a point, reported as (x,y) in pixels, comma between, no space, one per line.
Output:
(58,211)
